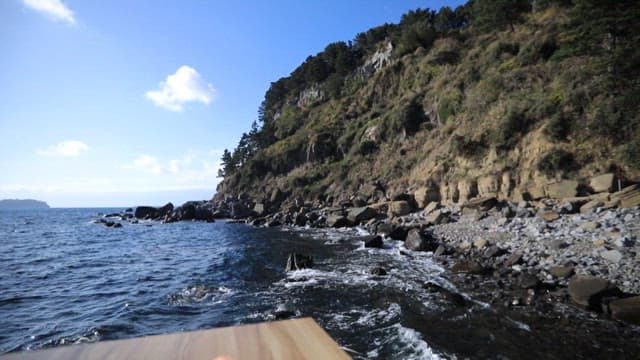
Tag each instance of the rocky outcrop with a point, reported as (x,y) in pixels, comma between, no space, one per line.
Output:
(152,213)
(399,208)
(298,262)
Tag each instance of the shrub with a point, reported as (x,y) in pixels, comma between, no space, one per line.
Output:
(557,160)
(631,154)
(466,147)
(509,130)
(558,127)
(367,147)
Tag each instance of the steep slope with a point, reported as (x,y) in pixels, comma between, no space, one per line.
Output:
(457,103)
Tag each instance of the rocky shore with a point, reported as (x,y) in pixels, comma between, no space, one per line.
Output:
(582,251)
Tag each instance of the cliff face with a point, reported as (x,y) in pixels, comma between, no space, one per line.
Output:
(466,113)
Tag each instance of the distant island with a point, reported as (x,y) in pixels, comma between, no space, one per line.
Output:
(23,204)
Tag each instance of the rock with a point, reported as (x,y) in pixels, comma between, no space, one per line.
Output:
(629,197)
(528,281)
(128,210)
(488,186)
(562,189)
(238,210)
(399,208)
(437,217)
(440,250)
(627,309)
(494,251)
(378,270)
(298,262)
(467,189)
(146,212)
(535,192)
(561,271)
(417,241)
(479,243)
(591,205)
(514,259)
(468,267)
(612,255)
(433,206)
(337,221)
(361,214)
(426,195)
(483,204)
(588,291)
(259,209)
(117,225)
(590,226)
(603,183)
(372,241)
(598,242)
(453,297)
(550,216)
(392,231)
(283,313)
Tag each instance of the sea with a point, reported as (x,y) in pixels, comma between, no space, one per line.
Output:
(65,279)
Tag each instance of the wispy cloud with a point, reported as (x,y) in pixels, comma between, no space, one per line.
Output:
(185,86)
(54,9)
(65,148)
(146,163)
(195,168)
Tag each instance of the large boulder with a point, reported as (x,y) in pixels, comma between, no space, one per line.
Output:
(418,241)
(399,208)
(629,197)
(437,217)
(603,183)
(145,212)
(426,195)
(562,189)
(361,214)
(392,231)
(337,221)
(372,241)
(484,204)
(626,309)
(588,291)
(298,262)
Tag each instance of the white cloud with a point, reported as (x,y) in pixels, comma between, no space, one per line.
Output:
(55,9)
(65,148)
(185,86)
(146,163)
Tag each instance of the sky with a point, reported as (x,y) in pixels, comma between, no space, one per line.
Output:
(124,103)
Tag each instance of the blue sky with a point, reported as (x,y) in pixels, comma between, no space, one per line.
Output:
(122,103)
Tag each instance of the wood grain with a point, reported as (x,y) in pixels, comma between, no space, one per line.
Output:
(289,339)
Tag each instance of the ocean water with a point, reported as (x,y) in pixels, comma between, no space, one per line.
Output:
(66,280)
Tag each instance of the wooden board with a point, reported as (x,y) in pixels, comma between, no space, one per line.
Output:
(289,339)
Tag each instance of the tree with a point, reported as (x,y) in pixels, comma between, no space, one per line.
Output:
(228,167)
(496,14)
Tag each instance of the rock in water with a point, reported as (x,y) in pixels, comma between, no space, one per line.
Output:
(588,291)
(626,309)
(373,241)
(468,267)
(378,270)
(417,241)
(361,214)
(298,262)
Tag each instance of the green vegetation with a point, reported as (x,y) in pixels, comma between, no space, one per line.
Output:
(452,93)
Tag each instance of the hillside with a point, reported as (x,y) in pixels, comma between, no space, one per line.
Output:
(22,204)
(493,97)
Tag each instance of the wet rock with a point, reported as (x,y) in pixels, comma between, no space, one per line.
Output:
(627,309)
(128,210)
(453,297)
(588,291)
(378,271)
(561,271)
(117,225)
(298,262)
(146,212)
(373,241)
(612,255)
(337,221)
(418,241)
(361,214)
(468,267)
(392,231)
(528,281)
(283,313)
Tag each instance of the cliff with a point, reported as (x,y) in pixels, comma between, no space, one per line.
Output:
(452,105)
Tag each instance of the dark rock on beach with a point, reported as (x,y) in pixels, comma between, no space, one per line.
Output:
(419,241)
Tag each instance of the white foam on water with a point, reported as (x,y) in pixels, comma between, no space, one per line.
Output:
(412,340)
